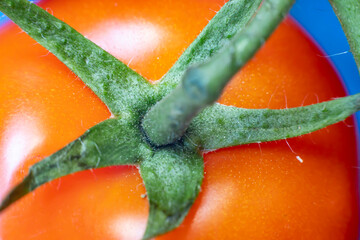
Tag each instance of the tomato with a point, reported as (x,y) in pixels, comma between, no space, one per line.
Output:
(302,188)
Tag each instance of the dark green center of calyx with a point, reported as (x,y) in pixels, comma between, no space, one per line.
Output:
(162,128)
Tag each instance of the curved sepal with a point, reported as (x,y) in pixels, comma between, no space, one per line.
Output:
(118,86)
(230,19)
(202,84)
(222,126)
(348,12)
(112,142)
(172,180)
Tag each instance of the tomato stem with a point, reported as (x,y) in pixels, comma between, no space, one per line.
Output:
(202,85)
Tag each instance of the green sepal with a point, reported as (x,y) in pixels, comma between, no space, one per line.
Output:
(348,12)
(172,178)
(118,86)
(230,19)
(222,126)
(202,84)
(110,143)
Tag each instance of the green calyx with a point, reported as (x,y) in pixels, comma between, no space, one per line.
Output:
(172,178)
(112,142)
(162,128)
(348,12)
(202,84)
(232,126)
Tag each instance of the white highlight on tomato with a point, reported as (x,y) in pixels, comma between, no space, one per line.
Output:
(127,41)
(127,227)
(21,138)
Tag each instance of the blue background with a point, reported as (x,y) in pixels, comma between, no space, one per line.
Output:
(318,18)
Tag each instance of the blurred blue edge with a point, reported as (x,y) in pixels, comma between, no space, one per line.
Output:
(319,20)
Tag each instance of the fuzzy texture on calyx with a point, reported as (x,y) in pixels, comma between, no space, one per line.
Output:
(231,126)
(203,84)
(113,142)
(111,80)
(172,177)
(172,174)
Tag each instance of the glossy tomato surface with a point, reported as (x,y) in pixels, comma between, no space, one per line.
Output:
(302,188)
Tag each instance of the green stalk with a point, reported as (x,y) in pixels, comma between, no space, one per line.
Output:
(201,85)
(231,19)
(348,12)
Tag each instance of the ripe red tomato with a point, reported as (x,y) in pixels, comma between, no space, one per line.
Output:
(302,188)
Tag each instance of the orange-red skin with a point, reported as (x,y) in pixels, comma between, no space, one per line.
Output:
(256,191)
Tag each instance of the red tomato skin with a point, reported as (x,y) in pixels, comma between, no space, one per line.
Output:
(256,191)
